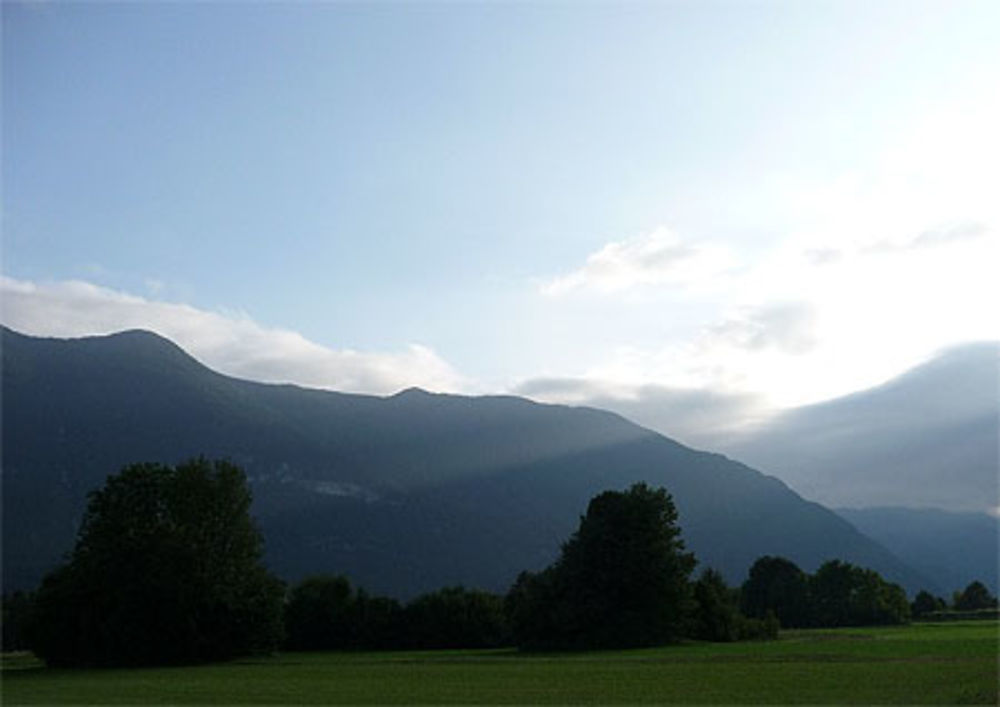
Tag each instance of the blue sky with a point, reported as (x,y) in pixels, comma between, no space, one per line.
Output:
(764,203)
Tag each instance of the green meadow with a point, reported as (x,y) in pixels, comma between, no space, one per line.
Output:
(932,663)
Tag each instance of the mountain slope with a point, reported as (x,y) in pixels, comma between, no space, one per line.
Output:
(404,494)
(930,437)
(954,548)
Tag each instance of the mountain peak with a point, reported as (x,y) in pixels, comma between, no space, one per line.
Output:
(129,337)
(135,334)
(412,393)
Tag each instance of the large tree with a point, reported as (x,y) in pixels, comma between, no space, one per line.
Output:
(846,595)
(716,615)
(166,569)
(622,578)
(974,597)
(925,603)
(777,585)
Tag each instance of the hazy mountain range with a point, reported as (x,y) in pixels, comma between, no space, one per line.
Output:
(404,494)
(928,438)
(953,548)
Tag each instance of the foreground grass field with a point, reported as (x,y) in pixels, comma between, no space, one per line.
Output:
(948,663)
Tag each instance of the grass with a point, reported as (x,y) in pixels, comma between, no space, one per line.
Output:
(947,663)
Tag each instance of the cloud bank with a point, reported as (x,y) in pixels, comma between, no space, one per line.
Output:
(698,417)
(230,343)
(802,318)
(789,327)
(658,257)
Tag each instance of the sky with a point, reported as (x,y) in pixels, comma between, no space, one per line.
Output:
(723,208)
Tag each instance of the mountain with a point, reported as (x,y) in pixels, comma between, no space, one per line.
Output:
(404,494)
(929,438)
(953,548)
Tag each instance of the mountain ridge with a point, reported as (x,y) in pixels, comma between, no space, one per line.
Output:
(956,548)
(404,493)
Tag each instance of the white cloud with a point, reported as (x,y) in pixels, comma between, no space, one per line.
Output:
(933,183)
(812,317)
(699,417)
(231,343)
(656,258)
(786,327)
(864,273)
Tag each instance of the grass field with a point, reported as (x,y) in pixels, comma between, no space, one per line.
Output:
(947,663)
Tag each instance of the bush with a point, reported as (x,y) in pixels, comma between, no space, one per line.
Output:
(753,629)
(455,617)
(18,609)
(324,613)
(321,614)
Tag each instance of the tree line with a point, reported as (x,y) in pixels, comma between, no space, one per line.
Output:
(841,594)
(167,569)
(838,594)
(325,613)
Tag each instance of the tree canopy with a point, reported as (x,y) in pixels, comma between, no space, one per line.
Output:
(777,585)
(320,614)
(975,597)
(846,595)
(925,603)
(324,613)
(716,615)
(166,569)
(621,580)
(838,594)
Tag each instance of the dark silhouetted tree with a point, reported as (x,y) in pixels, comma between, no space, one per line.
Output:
(975,597)
(845,595)
(321,614)
(455,617)
(716,614)
(166,569)
(838,594)
(925,603)
(777,585)
(378,622)
(621,580)
(875,601)
(538,610)
(18,609)
(324,613)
